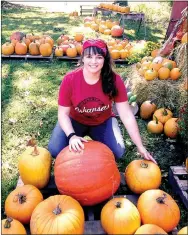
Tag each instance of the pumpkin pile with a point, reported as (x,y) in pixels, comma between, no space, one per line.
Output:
(22,44)
(68,46)
(106,27)
(87,178)
(163,119)
(153,67)
(115,7)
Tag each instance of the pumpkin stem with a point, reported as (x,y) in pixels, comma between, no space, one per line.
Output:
(57,210)
(8,222)
(35,151)
(143,164)
(20,197)
(156,119)
(32,142)
(161,199)
(118,204)
(165,113)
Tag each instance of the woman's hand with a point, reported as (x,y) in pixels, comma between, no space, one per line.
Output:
(75,143)
(145,154)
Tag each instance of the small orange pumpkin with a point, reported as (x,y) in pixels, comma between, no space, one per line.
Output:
(155,126)
(12,226)
(34,48)
(164,73)
(71,51)
(115,54)
(162,115)
(21,202)
(7,48)
(45,49)
(58,52)
(147,109)
(141,175)
(116,31)
(171,128)
(151,74)
(120,216)
(79,37)
(159,208)
(21,48)
(175,73)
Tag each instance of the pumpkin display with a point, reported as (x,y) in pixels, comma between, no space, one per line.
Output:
(175,73)
(141,175)
(116,31)
(12,226)
(34,48)
(158,207)
(183,231)
(155,126)
(45,49)
(59,214)
(120,216)
(171,128)
(7,48)
(90,176)
(34,166)
(150,229)
(21,48)
(21,202)
(147,108)
(162,115)
(17,35)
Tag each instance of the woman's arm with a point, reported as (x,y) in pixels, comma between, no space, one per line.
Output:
(131,126)
(75,141)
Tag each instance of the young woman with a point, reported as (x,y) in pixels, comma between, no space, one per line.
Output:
(85,103)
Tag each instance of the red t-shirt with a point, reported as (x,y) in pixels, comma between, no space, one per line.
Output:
(89,105)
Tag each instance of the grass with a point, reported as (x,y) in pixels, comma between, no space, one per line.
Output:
(30,90)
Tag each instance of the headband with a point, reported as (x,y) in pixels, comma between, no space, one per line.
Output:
(95,43)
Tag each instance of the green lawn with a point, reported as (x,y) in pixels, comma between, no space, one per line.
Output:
(30,90)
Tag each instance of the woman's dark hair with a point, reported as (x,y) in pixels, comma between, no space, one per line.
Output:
(107,74)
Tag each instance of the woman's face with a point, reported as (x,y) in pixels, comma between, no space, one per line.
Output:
(93,63)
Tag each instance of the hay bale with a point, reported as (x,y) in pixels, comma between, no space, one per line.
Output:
(167,93)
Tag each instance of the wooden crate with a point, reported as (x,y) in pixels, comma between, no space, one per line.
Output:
(28,57)
(178,179)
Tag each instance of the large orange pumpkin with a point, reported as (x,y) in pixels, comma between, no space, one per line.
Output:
(45,49)
(159,208)
(21,48)
(34,48)
(35,166)
(141,175)
(147,109)
(90,176)
(120,216)
(21,202)
(150,229)
(12,226)
(59,214)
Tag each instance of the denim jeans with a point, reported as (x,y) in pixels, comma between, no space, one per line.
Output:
(107,133)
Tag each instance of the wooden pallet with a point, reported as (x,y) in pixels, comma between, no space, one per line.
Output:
(92,213)
(28,57)
(178,179)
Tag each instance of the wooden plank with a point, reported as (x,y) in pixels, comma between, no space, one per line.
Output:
(28,56)
(179,187)
(179,170)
